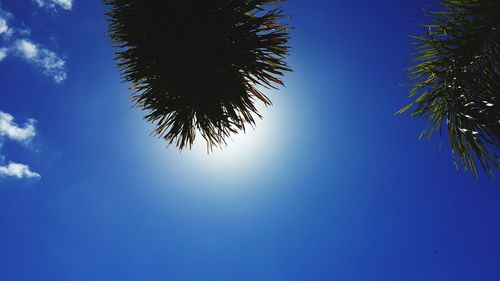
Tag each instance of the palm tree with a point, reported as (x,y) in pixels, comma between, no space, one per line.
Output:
(456,80)
(197,66)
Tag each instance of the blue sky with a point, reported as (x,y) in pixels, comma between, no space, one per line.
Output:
(330,186)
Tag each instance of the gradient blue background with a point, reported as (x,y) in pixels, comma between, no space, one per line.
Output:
(348,194)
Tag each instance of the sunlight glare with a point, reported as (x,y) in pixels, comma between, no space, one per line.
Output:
(247,154)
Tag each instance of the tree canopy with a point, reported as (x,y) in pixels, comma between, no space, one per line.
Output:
(456,80)
(198,66)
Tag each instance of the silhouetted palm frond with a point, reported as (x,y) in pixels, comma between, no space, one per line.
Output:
(457,80)
(196,65)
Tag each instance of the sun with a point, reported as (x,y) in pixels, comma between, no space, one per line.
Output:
(245,155)
(247,159)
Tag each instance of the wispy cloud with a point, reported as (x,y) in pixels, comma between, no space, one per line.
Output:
(5,30)
(11,130)
(27,49)
(17,170)
(3,26)
(50,62)
(64,4)
(3,53)
(17,43)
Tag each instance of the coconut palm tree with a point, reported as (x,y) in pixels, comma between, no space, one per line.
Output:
(199,66)
(456,80)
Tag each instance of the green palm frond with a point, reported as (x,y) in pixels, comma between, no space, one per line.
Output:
(456,80)
(196,66)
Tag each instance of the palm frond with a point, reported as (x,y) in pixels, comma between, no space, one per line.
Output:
(196,66)
(456,80)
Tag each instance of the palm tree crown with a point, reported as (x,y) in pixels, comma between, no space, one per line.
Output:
(197,65)
(457,80)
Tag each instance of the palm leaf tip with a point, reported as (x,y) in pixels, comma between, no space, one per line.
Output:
(197,66)
(456,81)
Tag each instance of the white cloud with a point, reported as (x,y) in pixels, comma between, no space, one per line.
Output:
(65,4)
(3,53)
(49,61)
(51,64)
(10,130)
(5,30)
(19,171)
(3,26)
(28,49)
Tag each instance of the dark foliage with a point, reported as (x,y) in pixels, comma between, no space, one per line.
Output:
(456,80)
(197,65)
